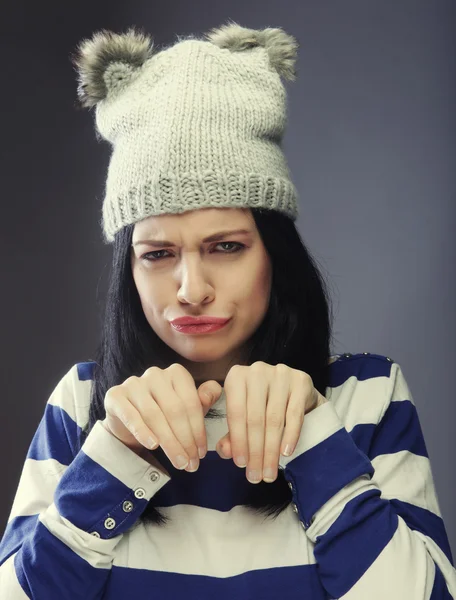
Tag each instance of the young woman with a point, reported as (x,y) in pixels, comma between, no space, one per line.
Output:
(214,447)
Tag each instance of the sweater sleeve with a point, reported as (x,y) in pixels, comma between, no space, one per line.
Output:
(71,506)
(368,502)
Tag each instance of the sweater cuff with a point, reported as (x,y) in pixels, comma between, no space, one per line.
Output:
(107,486)
(324,462)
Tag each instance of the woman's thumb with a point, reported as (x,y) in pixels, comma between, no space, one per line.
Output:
(209,392)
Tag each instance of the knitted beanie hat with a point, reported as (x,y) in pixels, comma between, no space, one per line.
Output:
(195,125)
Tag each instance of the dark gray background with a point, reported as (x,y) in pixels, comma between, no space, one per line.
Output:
(371,146)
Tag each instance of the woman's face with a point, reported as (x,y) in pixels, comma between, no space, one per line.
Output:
(192,278)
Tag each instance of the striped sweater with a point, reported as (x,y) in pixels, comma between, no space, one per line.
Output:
(364,523)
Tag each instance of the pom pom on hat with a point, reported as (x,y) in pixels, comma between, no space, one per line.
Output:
(281,47)
(108,61)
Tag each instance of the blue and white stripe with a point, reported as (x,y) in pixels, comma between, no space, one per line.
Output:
(365,520)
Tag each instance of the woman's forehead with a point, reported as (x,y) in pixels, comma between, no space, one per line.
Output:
(195,221)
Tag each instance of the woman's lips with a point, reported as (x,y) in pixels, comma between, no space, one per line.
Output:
(203,328)
(199,320)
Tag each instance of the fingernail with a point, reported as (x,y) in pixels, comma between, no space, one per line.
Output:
(181,462)
(254,476)
(193,465)
(151,443)
(288,450)
(201,452)
(240,461)
(268,474)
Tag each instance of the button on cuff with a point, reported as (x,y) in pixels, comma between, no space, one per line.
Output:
(119,519)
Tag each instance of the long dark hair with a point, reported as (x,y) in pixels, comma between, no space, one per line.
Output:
(296,331)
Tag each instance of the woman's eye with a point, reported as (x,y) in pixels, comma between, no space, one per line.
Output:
(153,256)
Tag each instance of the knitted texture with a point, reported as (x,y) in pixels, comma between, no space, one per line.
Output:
(195,125)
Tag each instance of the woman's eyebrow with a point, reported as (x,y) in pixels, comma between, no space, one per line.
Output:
(212,238)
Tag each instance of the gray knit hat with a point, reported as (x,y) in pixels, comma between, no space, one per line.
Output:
(195,125)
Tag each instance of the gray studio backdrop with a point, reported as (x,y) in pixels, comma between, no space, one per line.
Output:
(371,146)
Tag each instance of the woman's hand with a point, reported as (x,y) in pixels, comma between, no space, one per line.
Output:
(162,407)
(265,407)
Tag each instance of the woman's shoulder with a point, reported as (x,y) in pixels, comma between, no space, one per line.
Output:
(71,395)
(359,385)
(362,366)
